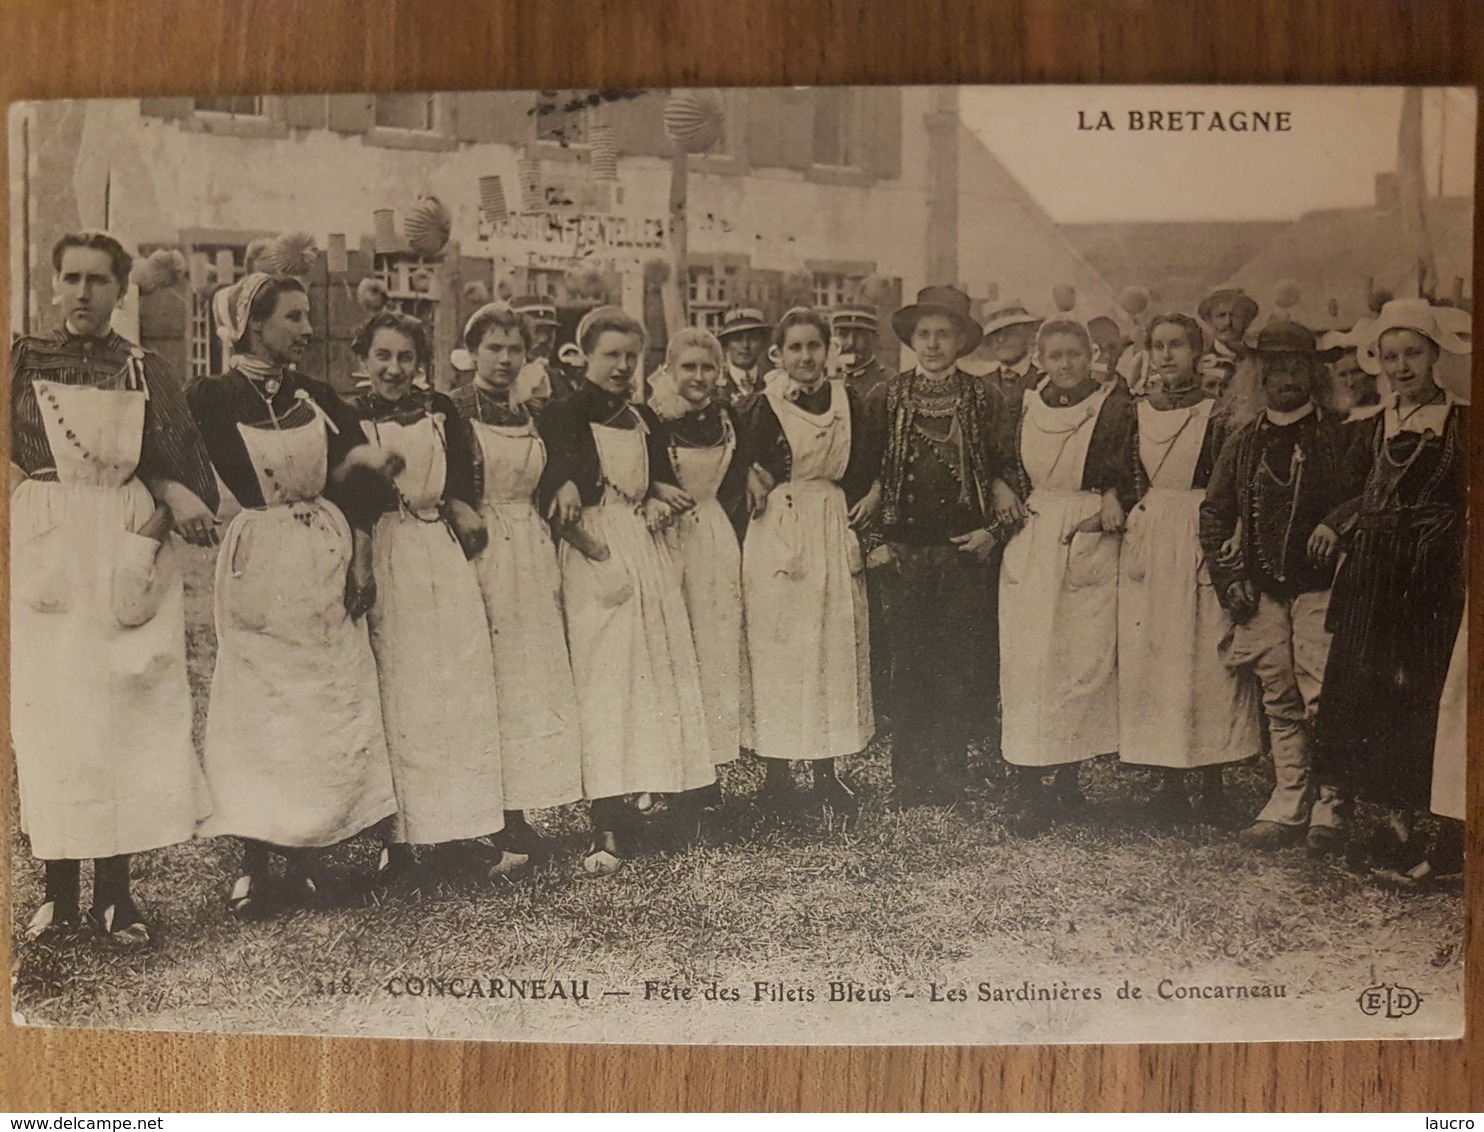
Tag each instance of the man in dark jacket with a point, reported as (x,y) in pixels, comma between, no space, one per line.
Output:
(1268,529)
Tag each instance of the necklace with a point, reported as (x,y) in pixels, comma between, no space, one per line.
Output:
(1403,418)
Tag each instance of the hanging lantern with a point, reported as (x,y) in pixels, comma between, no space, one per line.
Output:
(693,120)
(1064,295)
(656,272)
(492,199)
(337,258)
(293,253)
(160,270)
(531,199)
(476,293)
(371,294)
(226,267)
(384,222)
(1134,300)
(427,227)
(200,272)
(252,259)
(603,148)
(1286,294)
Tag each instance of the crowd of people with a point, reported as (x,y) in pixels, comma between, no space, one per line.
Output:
(437,613)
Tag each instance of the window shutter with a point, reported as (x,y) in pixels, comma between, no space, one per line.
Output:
(472,269)
(317,361)
(343,317)
(167,107)
(763,289)
(638,123)
(780,128)
(494,116)
(306,111)
(351,113)
(882,123)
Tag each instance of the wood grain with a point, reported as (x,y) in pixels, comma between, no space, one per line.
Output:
(70,48)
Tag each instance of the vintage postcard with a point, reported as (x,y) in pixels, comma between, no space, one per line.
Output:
(802,565)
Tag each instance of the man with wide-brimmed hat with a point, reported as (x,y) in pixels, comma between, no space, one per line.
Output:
(743,335)
(1009,334)
(1229,312)
(943,504)
(1268,532)
(854,327)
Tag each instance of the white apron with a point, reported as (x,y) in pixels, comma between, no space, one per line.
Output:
(1450,755)
(100,713)
(1179,706)
(540,743)
(633,663)
(295,751)
(1059,600)
(804,594)
(432,649)
(705,545)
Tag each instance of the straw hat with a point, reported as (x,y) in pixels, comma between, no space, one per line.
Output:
(1246,305)
(1007,314)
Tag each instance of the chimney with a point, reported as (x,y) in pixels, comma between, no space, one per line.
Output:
(1388,192)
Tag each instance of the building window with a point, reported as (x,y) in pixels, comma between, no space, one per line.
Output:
(207,355)
(831,288)
(548,282)
(246,107)
(836,128)
(709,295)
(414,112)
(409,285)
(562,117)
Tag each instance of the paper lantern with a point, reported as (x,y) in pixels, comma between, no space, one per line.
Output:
(1286,294)
(693,120)
(531,199)
(603,147)
(1064,295)
(384,224)
(226,267)
(1134,300)
(159,270)
(337,258)
(427,227)
(476,294)
(371,294)
(492,199)
(252,258)
(293,253)
(656,272)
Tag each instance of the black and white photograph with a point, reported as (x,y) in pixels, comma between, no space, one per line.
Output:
(808,565)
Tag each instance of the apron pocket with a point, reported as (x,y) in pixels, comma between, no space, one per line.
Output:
(1092,560)
(39,575)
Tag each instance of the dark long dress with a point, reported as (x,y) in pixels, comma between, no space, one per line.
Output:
(1397,603)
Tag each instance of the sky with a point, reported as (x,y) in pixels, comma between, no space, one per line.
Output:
(1340,138)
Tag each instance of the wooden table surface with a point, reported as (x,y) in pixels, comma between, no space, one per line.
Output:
(71,48)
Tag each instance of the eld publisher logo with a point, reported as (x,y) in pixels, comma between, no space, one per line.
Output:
(1390,1000)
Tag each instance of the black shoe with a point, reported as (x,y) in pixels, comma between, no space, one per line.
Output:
(121,925)
(605,856)
(830,793)
(1169,805)
(52,921)
(1213,807)
(247,901)
(710,797)
(1324,841)
(1069,796)
(1027,823)
(777,796)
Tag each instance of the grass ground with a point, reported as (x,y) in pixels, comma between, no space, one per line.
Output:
(897,902)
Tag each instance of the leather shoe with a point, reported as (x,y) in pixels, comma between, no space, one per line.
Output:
(1269,835)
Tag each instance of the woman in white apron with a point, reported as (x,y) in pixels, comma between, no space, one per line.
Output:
(701,433)
(100,706)
(427,626)
(540,744)
(1059,577)
(296,756)
(610,487)
(1180,708)
(812,461)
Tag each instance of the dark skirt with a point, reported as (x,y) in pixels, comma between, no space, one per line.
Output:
(1397,605)
(943,642)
